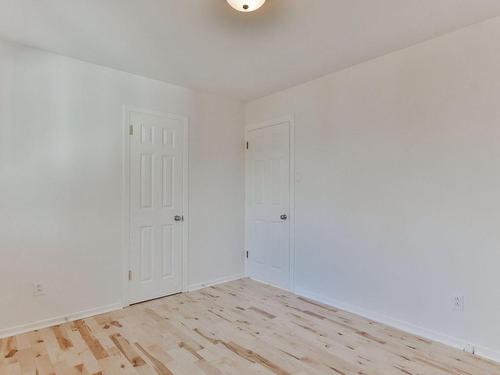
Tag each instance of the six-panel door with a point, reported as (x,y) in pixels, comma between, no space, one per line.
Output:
(156,198)
(268,198)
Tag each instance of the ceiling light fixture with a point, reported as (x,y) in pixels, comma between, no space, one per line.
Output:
(246,5)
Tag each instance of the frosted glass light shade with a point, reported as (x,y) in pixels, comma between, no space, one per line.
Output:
(246,5)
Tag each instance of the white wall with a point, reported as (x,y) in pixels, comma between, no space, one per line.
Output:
(398,186)
(61,182)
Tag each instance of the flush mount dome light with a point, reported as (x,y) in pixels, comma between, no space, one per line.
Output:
(246,5)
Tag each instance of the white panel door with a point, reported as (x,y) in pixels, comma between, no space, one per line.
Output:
(156,206)
(268,204)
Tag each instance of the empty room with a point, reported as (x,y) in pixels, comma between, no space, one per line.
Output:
(211,187)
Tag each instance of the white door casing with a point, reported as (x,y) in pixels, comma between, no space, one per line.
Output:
(157,193)
(269,176)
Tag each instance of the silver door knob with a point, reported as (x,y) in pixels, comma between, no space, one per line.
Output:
(178,218)
(283,217)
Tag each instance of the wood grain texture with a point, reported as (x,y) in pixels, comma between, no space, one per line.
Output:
(242,327)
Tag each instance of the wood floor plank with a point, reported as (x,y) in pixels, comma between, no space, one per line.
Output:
(242,327)
(94,345)
(160,368)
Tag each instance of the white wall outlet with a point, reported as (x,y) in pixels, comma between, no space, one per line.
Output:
(38,289)
(458,303)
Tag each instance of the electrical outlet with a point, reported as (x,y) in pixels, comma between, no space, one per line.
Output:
(458,303)
(38,289)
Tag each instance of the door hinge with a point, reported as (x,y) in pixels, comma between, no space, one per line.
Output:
(131,130)
(247,145)
(129,275)
(247,254)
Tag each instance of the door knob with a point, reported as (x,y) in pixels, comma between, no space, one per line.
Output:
(283,217)
(178,218)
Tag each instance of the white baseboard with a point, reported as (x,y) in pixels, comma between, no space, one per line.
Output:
(270,284)
(481,351)
(7,332)
(213,282)
(381,318)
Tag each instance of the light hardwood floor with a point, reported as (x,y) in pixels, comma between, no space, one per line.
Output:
(241,327)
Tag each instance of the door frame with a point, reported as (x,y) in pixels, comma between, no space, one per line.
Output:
(126,208)
(291,124)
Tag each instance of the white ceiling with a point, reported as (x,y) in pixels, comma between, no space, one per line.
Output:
(206,45)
